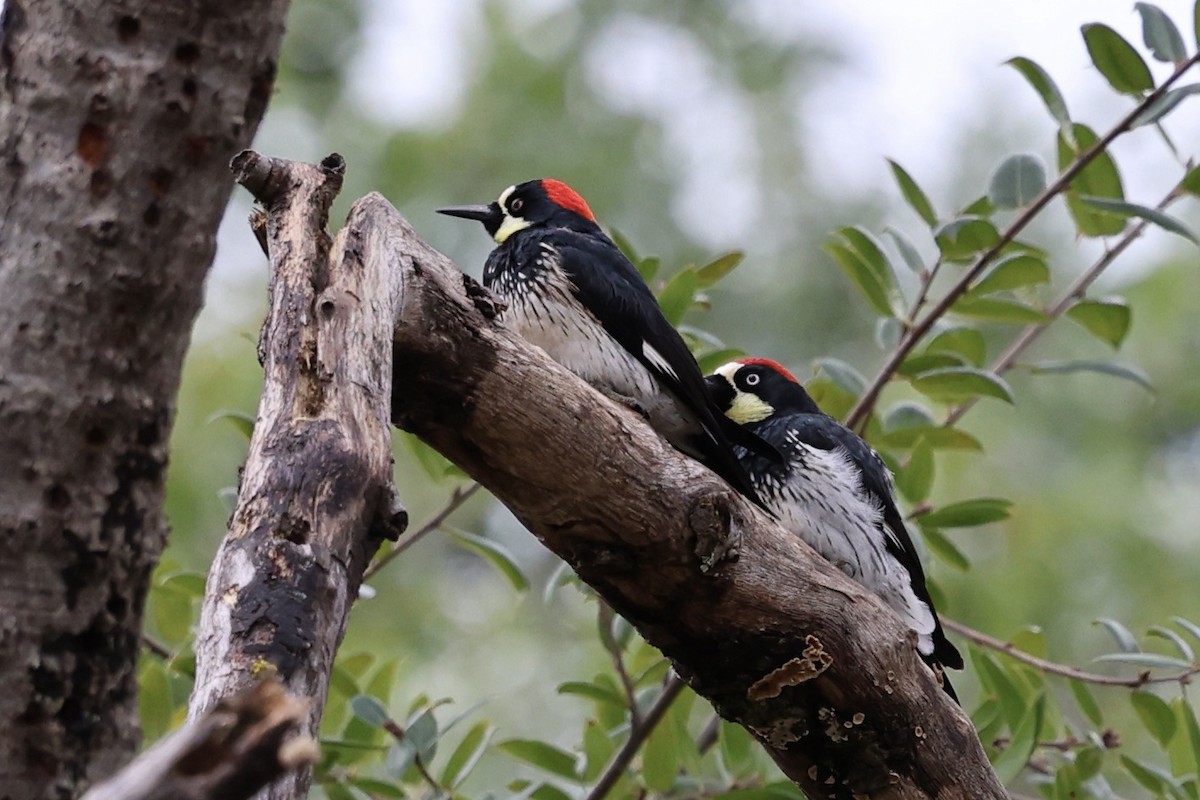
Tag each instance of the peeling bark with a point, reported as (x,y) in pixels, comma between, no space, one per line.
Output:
(116,122)
(316,495)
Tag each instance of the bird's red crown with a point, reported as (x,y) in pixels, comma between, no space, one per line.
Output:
(564,196)
(769,364)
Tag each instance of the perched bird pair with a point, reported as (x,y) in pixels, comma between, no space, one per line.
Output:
(573,293)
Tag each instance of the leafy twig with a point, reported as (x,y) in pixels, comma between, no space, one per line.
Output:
(1073,293)
(607,615)
(909,341)
(460,495)
(391,726)
(1008,648)
(672,686)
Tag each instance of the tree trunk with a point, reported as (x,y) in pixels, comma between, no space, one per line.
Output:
(316,495)
(117,121)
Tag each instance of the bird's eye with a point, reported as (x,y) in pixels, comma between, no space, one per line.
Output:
(516,205)
(752,379)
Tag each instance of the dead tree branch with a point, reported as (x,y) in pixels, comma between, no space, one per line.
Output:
(316,496)
(229,753)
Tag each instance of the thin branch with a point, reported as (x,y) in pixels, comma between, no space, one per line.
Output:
(458,497)
(1075,291)
(156,647)
(909,341)
(606,616)
(672,686)
(1054,668)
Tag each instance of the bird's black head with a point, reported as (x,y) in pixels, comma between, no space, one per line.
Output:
(751,390)
(545,202)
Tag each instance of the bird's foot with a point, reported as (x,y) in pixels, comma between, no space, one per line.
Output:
(628,402)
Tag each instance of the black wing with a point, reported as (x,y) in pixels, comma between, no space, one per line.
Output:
(825,433)
(605,282)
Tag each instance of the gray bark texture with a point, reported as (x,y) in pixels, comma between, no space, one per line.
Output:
(819,670)
(316,495)
(117,122)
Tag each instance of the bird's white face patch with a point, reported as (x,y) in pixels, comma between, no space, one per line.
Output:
(746,407)
(511,224)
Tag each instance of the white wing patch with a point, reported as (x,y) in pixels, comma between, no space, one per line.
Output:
(656,358)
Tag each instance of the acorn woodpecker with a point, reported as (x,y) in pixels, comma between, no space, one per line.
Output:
(573,293)
(836,492)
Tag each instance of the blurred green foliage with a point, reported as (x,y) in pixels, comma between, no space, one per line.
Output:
(1074,498)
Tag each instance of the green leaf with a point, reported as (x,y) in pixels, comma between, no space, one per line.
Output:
(1088,762)
(154,700)
(718,358)
(913,194)
(1086,702)
(1012,271)
(660,762)
(1191,628)
(239,419)
(496,554)
(861,275)
(1191,181)
(1044,85)
(718,268)
(907,415)
(1144,775)
(1156,715)
(1102,367)
(956,384)
(871,251)
(965,342)
(369,710)
(1116,59)
(400,757)
(1099,178)
(423,733)
(944,549)
(1107,320)
(917,363)
(592,691)
(962,238)
(1123,208)
(467,754)
(173,613)
(1017,181)
(968,513)
(1160,34)
(648,267)
(623,245)
(542,755)
(887,333)
(737,748)
(432,463)
(678,295)
(937,437)
(915,479)
(1024,741)
(1119,633)
(598,748)
(991,309)
(376,788)
(338,791)
(1151,660)
(908,251)
(1185,649)
(1193,729)
(842,374)
(1164,105)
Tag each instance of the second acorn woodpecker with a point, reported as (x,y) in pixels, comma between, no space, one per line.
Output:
(836,492)
(572,292)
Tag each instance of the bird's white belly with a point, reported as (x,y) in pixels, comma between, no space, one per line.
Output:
(838,522)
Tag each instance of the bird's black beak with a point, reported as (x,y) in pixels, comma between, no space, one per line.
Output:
(720,390)
(485,214)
